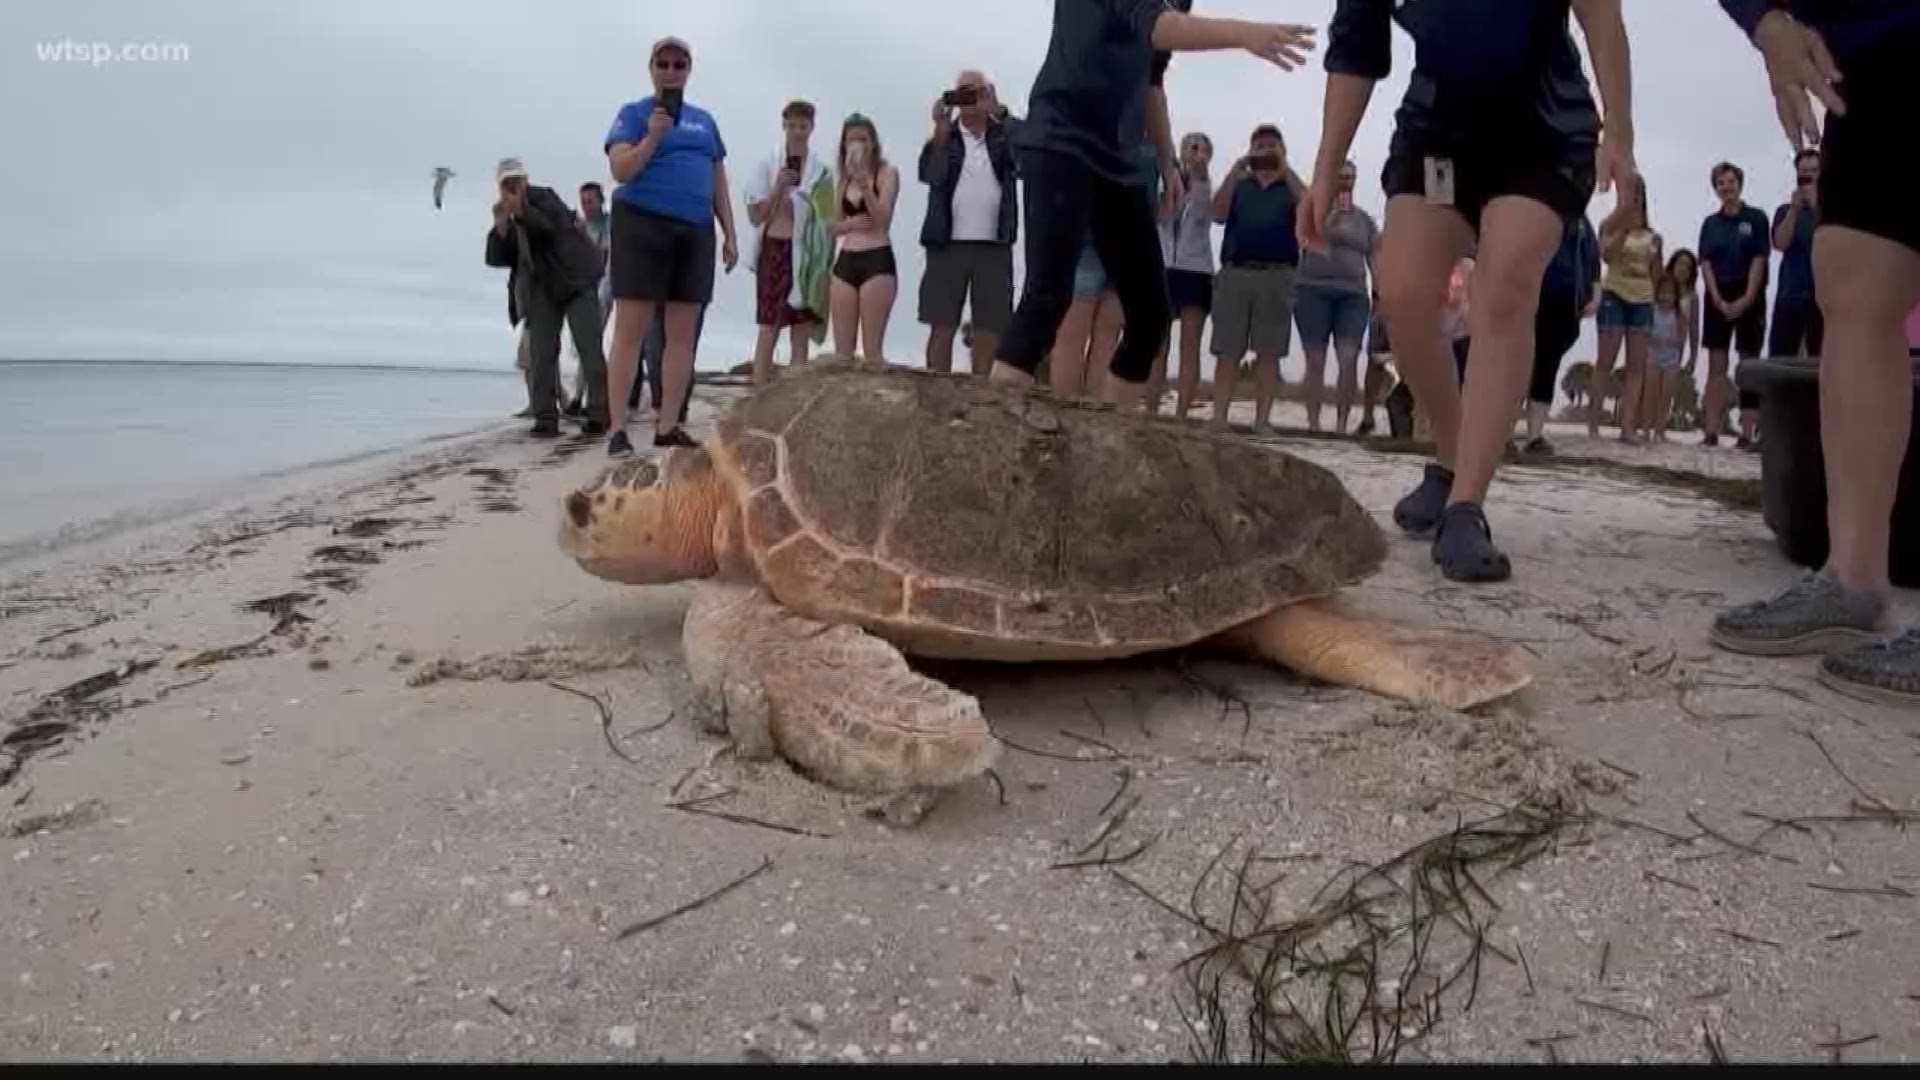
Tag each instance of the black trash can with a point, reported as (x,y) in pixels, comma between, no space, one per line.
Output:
(1793,476)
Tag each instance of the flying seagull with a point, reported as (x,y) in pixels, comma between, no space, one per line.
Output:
(441,174)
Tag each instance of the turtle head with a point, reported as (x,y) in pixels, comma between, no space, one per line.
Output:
(648,521)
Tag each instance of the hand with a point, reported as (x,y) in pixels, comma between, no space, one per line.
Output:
(513,202)
(729,252)
(1592,308)
(1310,220)
(1798,67)
(660,122)
(1614,163)
(1173,189)
(1278,43)
(787,181)
(942,115)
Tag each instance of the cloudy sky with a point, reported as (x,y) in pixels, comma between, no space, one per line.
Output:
(254,182)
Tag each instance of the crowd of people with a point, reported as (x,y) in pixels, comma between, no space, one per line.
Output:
(1471,288)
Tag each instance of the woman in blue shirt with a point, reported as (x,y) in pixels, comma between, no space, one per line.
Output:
(670,162)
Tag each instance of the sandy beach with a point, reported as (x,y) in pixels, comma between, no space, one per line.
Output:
(293,782)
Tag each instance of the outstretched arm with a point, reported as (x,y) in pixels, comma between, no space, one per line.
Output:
(1606,33)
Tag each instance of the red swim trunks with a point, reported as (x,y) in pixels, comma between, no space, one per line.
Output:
(773,282)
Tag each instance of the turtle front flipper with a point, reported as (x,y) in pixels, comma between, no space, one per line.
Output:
(838,703)
(1318,639)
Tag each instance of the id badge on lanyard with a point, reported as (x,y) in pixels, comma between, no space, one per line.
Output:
(1439,181)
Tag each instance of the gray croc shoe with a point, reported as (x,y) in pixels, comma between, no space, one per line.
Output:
(1885,672)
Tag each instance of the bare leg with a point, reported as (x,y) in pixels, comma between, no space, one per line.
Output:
(837,702)
(940,348)
(1345,388)
(800,342)
(845,302)
(1266,385)
(1324,640)
(1632,385)
(1867,286)
(876,307)
(1610,341)
(676,374)
(631,318)
(1714,401)
(1157,382)
(1108,322)
(1226,372)
(763,343)
(1067,374)
(1419,247)
(1517,239)
(1192,322)
(984,346)
(1314,385)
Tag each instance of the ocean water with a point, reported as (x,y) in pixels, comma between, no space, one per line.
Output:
(86,447)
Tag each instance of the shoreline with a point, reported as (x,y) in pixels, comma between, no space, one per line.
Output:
(297,784)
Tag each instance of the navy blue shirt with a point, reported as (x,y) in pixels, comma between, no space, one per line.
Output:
(1499,73)
(1090,98)
(1796,263)
(1848,26)
(1728,245)
(1576,263)
(1260,225)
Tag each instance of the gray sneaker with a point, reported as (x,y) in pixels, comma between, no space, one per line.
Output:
(1886,672)
(1814,615)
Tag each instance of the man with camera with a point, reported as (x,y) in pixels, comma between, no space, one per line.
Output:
(556,271)
(1259,260)
(1797,328)
(972,220)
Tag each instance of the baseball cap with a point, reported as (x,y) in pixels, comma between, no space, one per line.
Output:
(509,168)
(670,42)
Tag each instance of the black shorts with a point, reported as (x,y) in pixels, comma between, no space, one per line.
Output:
(1189,289)
(1556,328)
(660,258)
(1865,175)
(856,268)
(1797,327)
(1747,336)
(1562,179)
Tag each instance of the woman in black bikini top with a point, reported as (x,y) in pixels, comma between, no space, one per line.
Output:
(865,278)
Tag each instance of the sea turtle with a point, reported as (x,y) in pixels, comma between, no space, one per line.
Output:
(840,518)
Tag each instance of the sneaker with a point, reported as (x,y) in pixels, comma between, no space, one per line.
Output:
(575,408)
(1743,443)
(1463,547)
(1538,445)
(545,428)
(1419,512)
(1815,614)
(1710,440)
(593,429)
(1885,672)
(677,437)
(1364,429)
(619,445)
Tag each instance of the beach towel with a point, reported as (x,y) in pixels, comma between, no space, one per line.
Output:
(812,205)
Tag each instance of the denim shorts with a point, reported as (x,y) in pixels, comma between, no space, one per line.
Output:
(1617,314)
(1090,276)
(1324,313)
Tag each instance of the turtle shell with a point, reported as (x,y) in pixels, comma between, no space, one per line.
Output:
(964,520)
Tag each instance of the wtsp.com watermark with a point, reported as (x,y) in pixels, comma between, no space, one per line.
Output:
(99,54)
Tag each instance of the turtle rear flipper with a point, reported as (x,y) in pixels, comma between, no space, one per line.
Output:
(1321,640)
(840,704)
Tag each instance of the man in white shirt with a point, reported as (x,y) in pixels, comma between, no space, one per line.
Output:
(972,221)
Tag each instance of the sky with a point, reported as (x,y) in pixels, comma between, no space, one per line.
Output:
(253,181)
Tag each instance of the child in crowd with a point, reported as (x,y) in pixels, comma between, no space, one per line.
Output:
(1667,346)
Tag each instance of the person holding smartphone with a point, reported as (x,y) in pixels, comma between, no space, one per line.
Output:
(1083,175)
(1797,327)
(1259,261)
(866,278)
(973,219)
(786,246)
(670,162)
(1497,140)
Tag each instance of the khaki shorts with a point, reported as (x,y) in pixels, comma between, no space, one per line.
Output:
(1253,309)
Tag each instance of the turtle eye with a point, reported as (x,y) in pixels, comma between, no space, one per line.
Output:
(580,509)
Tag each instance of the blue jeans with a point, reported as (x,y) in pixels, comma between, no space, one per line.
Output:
(653,357)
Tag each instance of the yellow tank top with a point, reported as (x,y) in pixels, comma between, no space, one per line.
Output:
(1630,273)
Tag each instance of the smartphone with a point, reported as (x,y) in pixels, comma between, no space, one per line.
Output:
(1263,161)
(961,98)
(793,163)
(671,99)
